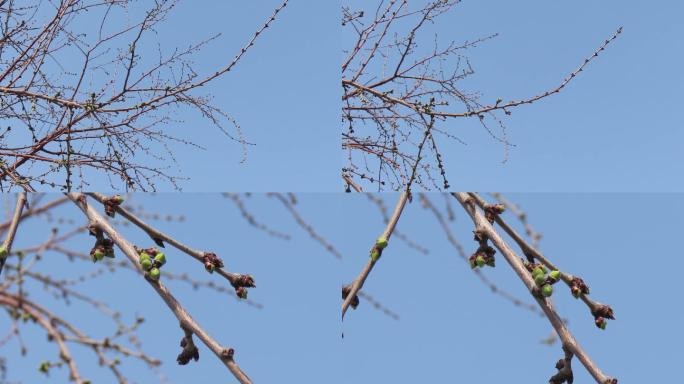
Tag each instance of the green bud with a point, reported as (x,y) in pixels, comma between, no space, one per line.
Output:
(540,279)
(547,290)
(154,274)
(209,267)
(381,242)
(144,256)
(44,367)
(601,323)
(118,199)
(480,261)
(576,292)
(3,252)
(555,275)
(160,258)
(537,271)
(146,264)
(375,255)
(98,255)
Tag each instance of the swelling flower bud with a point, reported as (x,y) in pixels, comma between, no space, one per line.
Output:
(576,291)
(537,271)
(381,242)
(98,255)
(555,275)
(209,267)
(160,258)
(146,264)
(601,322)
(241,292)
(547,290)
(154,274)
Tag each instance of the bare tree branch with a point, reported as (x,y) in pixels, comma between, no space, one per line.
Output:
(485,229)
(224,354)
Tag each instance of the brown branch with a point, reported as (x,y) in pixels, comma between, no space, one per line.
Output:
(35,211)
(395,90)
(568,340)
(597,309)
(6,247)
(376,251)
(306,226)
(235,279)
(64,352)
(225,355)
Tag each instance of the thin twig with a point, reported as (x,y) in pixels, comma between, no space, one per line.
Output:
(6,246)
(361,279)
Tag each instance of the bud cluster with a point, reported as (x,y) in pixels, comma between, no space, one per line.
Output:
(189,351)
(241,284)
(211,262)
(601,313)
(151,259)
(493,210)
(483,256)
(543,278)
(578,287)
(111,203)
(103,247)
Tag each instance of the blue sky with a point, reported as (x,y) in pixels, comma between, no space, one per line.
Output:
(615,128)
(284,95)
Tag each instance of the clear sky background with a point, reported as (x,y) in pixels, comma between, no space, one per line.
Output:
(615,128)
(284,94)
(451,327)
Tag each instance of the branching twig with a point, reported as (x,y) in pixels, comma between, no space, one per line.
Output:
(350,292)
(483,226)
(225,355)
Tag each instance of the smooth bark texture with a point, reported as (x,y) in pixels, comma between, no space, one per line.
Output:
(13,225)
(361,279)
